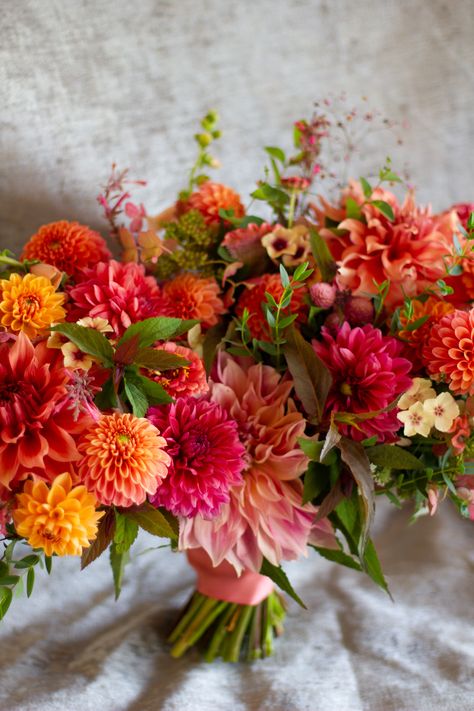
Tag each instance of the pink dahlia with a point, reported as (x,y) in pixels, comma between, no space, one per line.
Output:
(368,375)
(207,457)
(37,430)
(120,293)
(409,251)
(264,516)
(189,380)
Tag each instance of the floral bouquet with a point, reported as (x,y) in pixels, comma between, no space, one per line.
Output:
(244,386)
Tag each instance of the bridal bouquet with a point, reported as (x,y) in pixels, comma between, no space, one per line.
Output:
(245,382)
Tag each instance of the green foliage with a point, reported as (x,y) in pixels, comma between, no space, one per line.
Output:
(156,521)
(126,531)
(159,328)
(393,457)
(338,556)
(88,340)
(105,535)
(366,187)
(323,257)
(384,208)
(137,399)
(11,569)
(117,563)
(280,578)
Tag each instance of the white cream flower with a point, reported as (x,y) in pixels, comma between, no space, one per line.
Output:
(420,391)
(416,420)
(444,410)
(97,323)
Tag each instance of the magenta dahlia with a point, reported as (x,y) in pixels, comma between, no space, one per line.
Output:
(368,376)
(206,454)
(120,293)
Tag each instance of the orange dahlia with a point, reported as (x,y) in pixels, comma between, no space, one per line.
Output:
(434,309)
(61,519)
(123,459)
(188,296)
(68,246)
(212,197)
(449,351)
(30,304)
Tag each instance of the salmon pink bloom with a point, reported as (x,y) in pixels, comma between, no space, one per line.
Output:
(188,380)
(449,351)
(212,197)
(188,296)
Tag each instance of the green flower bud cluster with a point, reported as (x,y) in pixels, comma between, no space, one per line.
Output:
(196,242)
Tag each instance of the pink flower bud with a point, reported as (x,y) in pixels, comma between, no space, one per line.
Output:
(359,311)
(323,295)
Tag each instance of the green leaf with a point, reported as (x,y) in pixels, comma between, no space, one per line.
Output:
(353,210)
(30,581)
(126,531)
(156,359)
(26,562)
(159,328)
(470,222)
(347,518)
(105,534)
(354,455)
(10,579)
(271,195)
(338,556)
(311,447)
(323,257)
(393,457)
(155,393)
(388,175)
(210,346)
(106,399)
(285,279)
(287,321)
(136,398)
(366,187)
(126,351)
(155,521)
(373,568)
(311,377)
(280,578)
(117,562)
(316,480)
(6,597)
(384,208)
(275,152)
(88,340)
(416,324)
(48,563)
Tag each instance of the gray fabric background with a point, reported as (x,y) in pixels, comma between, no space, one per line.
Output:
(86,83)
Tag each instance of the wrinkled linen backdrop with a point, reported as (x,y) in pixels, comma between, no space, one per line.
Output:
(87,83)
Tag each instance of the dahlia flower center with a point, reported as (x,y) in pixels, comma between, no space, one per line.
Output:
(346,389)
(28,306)
(197,445)
(55,244)
(8,392)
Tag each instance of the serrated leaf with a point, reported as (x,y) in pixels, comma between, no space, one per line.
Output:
(126,351)
(393,457)
(161,360)
(137,399)
(311,377)
(30,581)
(338,556)
(106,399)
(373,568)
(88,340)
(155,521)
(6,597)
(126,531)
(384,208)
(280,578)
(105,534)
(323,257)
(117,563)
(355,456)
(155,393)
(159,328)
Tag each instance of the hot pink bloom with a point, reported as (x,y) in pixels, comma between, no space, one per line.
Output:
(190,380)
(207,457)
(368,375)
(120,293)
(408,251)
(265,516)
(36,427)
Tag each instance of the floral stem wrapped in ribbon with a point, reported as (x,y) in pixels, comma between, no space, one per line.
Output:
(244,386)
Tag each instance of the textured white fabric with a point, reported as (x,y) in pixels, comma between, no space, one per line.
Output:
(87,83)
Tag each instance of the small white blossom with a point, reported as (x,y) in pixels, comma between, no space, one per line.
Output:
(444,410)
(420,391)
(416,420)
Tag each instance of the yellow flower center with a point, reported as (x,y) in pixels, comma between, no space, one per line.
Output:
(28,306)
(346,389)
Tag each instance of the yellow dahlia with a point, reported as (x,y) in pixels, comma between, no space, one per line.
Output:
(123,459)
(30,304)
(60,518)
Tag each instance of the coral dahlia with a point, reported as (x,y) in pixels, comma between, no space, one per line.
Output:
(120,293)
(122,459)
(69,246)
(188,296)
(30,304)
(207,457)
(449,351)
(37,431)
(61,519)
(368,375)
(188,380)
(265,516)
(212,197)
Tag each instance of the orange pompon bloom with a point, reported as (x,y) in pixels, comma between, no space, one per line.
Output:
(212,197)
(434,309)
(188,296)
(68,246)
(30,304)
(61,519)
(123,459)
(449,351)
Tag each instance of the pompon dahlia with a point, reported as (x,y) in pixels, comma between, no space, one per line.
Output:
(188,380)
(265,516)
(207,457)
(188,296)
(433,309)
(122,459)
(449,351)
(212,197)
(120,293)
(409,251)
(68,246)
(368,375)
(30,304)
(37,431)
(253,297)
(61,519)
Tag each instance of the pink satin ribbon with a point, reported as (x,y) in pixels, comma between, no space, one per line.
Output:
(222,582)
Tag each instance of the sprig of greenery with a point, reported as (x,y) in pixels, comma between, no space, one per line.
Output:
(204,160)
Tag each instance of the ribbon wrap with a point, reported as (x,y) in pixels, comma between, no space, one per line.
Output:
(223,583)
